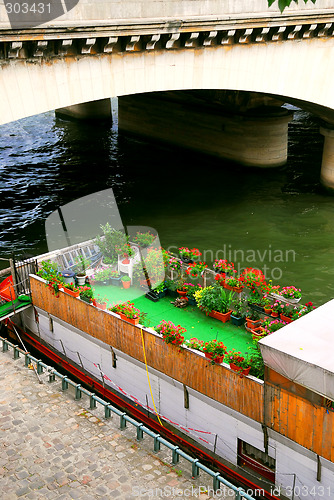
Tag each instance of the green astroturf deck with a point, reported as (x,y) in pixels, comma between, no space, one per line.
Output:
(198,325)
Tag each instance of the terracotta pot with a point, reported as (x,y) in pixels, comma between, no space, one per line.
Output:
(267,310)
(126,261)
(257,333)
(126,284)
(217,359)
(242,371)
(285,318)
(274,314)
(133,321)
(237,289)
(224,317)
(183,293)
(71,292)
(252,323)
(102,306)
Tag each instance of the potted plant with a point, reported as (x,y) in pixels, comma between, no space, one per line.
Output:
(238,363)
(126,281)
(108,243)
(82,265)
(291,293)
(273,326)
(233,283)
(308,307)
(174,264)
(252,319)
(171,334)
(160,290)
(144,239)
(196,269)
(224,268)
(189,255)
(195,344)
(171,286)
(215,351)
(100,302)
(287,311)
(236,315)
(49,272)
(215,302)
(127,312)
(276,309)
(267,306)
(86,294)
(71,289)
(190,289)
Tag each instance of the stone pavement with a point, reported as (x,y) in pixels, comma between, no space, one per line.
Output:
(52,446)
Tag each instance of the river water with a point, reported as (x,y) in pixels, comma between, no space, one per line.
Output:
(280,220)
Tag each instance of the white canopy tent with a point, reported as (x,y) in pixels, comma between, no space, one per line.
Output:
(303,351)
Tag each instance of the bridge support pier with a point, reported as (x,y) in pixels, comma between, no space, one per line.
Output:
(258,138)
(327,165)
(93,110)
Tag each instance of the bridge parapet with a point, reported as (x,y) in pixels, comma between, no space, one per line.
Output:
(102,42)
(164,16)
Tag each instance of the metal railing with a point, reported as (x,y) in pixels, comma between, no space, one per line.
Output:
(124,419)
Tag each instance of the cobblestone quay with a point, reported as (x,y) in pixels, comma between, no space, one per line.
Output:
(52,446)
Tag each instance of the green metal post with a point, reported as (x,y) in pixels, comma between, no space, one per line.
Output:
(78,393)
(4,345)
(195,469)
(140,433)
(122,421)
(157,443)
(107,412)
(39,367)
(16,352)
(175,455)
(216,482)
(64,384)
(52,377)
(92,401)
(26,359)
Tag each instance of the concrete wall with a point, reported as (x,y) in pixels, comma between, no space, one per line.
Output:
(93,13)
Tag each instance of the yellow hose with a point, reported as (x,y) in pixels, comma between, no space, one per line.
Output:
(148,376)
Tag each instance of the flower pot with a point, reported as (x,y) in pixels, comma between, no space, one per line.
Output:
(115,281)
(182,293)
(237,289)
(102,306)
(252,323)
(133,321)
(235,368)
(257,333)
(267,310)
(152,296)
(285,318)
(224,317)
(217,359)
(81,279)
(71,292)
(274,314)
(126,261)
(237,321)
(228,287)
(126,284)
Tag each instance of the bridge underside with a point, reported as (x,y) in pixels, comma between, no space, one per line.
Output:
(36,81)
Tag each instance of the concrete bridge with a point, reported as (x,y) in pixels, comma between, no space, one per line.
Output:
(98,50)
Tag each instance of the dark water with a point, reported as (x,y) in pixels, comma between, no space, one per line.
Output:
(280,218)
